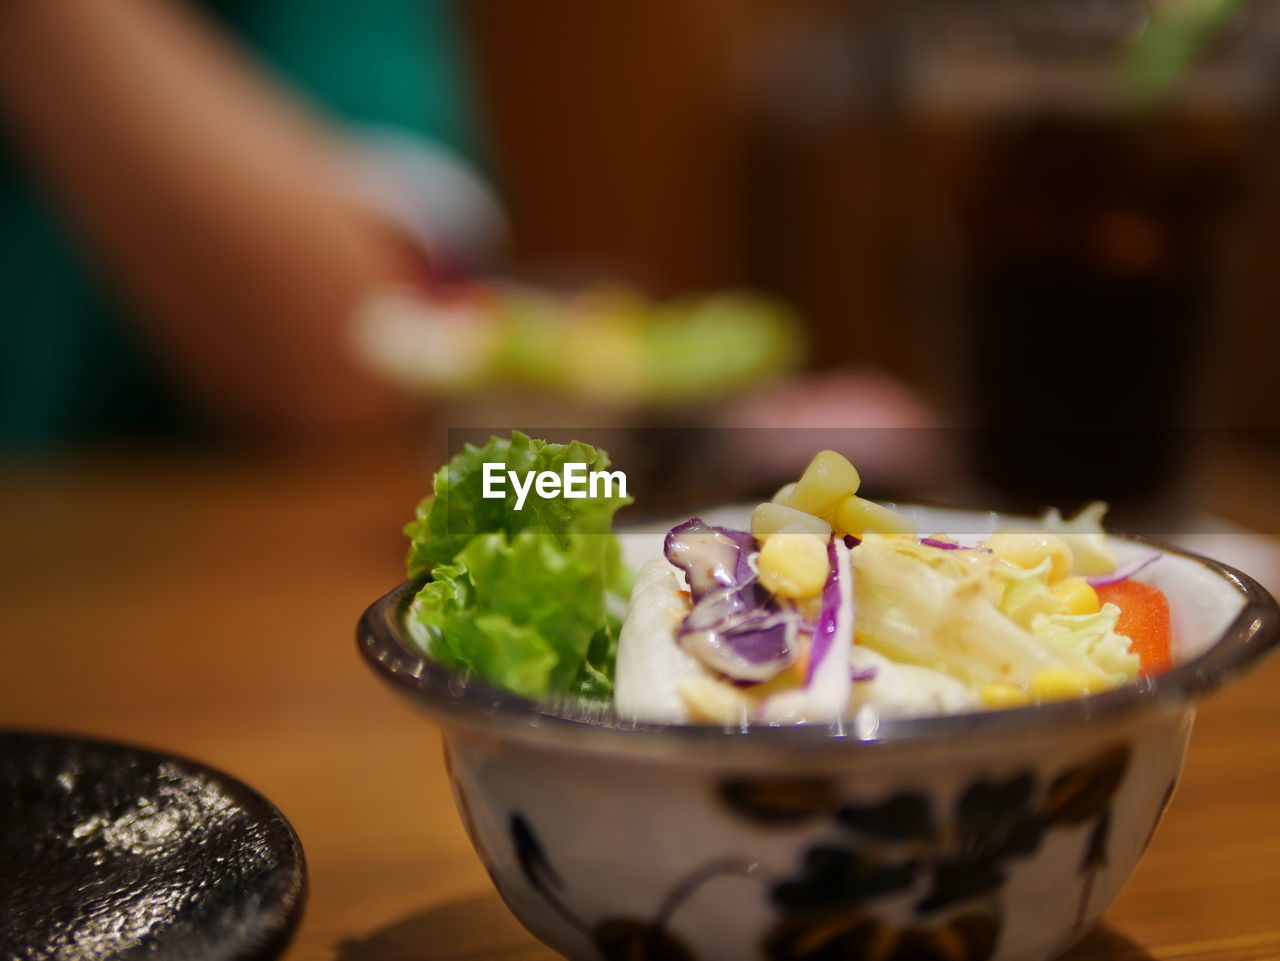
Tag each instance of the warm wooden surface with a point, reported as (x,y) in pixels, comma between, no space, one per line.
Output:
(208,608)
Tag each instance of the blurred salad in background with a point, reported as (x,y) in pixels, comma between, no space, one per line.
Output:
(611,345)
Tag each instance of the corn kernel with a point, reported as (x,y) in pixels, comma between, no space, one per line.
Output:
(1063,683)
(1028,549)
(710,701)
(770,519)
(857,515)
(1077,594)
(999,696)
(794,565)
(827,480)
(783,496)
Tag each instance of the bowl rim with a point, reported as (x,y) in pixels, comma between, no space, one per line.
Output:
(454,699)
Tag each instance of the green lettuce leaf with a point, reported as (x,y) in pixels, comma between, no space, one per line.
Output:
(470,640)
(595,679)
(519,598)
(457,511)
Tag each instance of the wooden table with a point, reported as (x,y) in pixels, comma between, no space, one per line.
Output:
(207,608)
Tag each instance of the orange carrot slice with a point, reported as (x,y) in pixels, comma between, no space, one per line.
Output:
(1144,619)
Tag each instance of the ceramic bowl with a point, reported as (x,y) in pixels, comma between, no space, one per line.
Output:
(999,835)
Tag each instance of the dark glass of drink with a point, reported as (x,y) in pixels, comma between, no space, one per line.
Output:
(1089,275)
(1084,223)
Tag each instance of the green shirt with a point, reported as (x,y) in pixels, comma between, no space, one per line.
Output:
(69,370)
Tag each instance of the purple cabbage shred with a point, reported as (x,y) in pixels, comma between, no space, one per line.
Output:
(736,627)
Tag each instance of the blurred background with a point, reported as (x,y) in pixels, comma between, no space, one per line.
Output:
(259,257)
(1056,222)
(1048,224)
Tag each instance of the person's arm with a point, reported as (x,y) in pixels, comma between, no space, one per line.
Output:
(218,205)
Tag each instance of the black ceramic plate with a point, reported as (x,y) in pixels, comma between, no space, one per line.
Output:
(108,851)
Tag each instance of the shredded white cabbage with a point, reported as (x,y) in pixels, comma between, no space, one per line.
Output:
(944,613)
(1085,536)
(933,631)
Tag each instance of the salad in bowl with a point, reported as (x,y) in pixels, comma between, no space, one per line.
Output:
(814,605)
(815,728)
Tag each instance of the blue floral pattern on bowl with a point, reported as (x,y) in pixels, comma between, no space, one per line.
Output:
(826,910)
